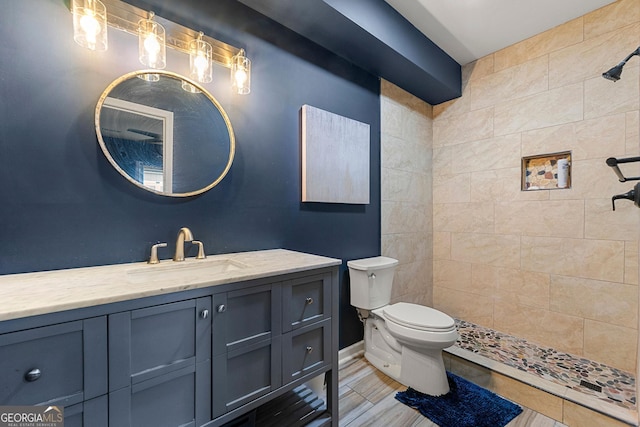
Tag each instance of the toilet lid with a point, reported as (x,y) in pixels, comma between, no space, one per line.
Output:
(419,317)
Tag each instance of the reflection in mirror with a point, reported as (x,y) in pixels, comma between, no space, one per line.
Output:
(162,138)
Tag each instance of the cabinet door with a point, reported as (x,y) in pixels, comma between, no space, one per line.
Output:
(61,364)
(306,300)
(160,365)
(306,350)
(245,374)
(91,413)
(169,400)
(245,317)
(157,340)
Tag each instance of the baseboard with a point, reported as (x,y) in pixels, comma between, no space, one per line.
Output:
(347,354)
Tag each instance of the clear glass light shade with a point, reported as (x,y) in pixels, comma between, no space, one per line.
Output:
(152,49)
(241,73)
(200,53)
(90,24)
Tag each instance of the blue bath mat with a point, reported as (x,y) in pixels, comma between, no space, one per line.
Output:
(466,405)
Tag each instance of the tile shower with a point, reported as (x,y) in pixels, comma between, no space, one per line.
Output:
(554,267)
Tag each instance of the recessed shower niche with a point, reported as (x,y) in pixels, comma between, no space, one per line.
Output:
(546,171)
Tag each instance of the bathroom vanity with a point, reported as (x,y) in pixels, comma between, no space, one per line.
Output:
(193,343)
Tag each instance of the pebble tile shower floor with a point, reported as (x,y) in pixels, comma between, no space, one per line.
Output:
(618,387)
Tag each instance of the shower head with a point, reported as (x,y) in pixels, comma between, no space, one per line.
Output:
(614,73)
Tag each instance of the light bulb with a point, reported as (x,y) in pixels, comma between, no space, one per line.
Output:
(241,77)
(241,73)
(91,28)
(200,68)
(201,64)
(152,47)
(89,24)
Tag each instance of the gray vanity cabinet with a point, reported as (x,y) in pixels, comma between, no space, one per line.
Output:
(91,413)
(246,346)
(160,365)
(60,365)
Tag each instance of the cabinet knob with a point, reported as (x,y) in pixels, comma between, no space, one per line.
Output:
(221,308)
(204,314)
(32,375)
(309,349)
(309,300)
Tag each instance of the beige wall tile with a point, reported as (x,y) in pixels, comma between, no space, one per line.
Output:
(484,279)
(407,247)
(600,138)
(466,127)
(579,416)
(541,218)
(412,278)
(403,186)
(491,249)
(442,161)
(633,135)
(463,217)
(451,188)
(604,98)
(441,245)
(452,274)
(590,179)
(631,262)
(463,305)
(493,153)
(560,331)
(601,222)
(402,217)
(501,185)
(531,397)
(521,287)
(584,61)
(549,41)
(477,69)
(610,344)
(612,17)
(554,107)
(528,78)
(607,302)
(591,259)
(549,140)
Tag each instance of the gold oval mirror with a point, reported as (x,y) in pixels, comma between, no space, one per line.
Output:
(165,133)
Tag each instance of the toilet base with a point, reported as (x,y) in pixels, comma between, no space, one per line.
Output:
(424,371)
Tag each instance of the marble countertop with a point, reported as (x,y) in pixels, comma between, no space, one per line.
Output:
(29,294)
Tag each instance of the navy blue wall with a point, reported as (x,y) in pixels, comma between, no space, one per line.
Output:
(61,203)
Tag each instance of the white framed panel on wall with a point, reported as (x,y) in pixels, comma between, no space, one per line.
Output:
(335,158)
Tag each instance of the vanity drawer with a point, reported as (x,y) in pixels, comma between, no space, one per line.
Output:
(306,300)
(306,350)
(62,364)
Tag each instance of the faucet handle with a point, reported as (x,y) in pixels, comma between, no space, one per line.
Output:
(153,259)
(201,254)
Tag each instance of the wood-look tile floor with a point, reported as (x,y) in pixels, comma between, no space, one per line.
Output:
(367,398)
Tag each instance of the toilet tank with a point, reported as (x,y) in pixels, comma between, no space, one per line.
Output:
(371,280)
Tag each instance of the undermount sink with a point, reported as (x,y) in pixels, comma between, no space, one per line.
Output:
(186,271)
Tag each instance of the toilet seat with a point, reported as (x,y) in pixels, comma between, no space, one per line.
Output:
(418,317)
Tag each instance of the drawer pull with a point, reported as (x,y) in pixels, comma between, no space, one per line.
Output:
(32,375)
(204,314)
(221,308)
(309,349)
(309,300)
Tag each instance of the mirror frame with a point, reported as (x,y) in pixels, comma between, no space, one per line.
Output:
(169,74)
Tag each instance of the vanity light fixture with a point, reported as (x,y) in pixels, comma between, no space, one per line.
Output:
(152,49)
(155,34)
(90,24)
(200,66)
(241,73)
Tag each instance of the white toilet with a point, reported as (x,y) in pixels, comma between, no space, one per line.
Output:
(405,341)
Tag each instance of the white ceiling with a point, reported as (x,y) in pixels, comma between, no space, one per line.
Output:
(470,29)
